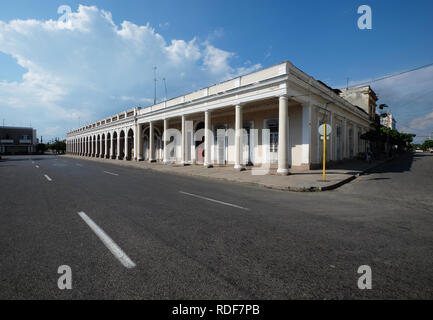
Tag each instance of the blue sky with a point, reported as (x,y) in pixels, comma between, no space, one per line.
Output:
(222,37)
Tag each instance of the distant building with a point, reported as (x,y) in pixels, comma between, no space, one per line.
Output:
(388,121)
(362,97)
(16,140)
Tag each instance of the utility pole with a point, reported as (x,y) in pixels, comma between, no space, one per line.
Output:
(154,71)
(165,86)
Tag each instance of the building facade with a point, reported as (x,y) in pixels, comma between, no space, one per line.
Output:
(270,116)
(16,140)
(388,121)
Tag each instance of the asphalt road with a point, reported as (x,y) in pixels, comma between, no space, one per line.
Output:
(191,238)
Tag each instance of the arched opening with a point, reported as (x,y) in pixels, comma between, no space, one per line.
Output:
(199,145)
(121,152)
(98,146)
(108,145)
(130,145)
(103,146)
(94,146)
(115,151)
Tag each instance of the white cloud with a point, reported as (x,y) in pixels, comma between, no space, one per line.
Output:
(89,67)
(410,98)
(423,122)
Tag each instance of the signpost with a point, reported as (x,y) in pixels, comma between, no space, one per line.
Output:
(324,131)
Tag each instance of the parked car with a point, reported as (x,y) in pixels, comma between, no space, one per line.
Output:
(419,151)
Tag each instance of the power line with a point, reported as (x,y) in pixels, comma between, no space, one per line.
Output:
(392,75)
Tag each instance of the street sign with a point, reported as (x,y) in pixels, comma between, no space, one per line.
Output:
(322,129)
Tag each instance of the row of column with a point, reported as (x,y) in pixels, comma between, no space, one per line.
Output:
(89,147)
(283,165)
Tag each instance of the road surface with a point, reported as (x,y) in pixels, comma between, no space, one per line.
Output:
(128,233)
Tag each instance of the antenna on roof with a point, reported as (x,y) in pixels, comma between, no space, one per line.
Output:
(165,86)
(347,83)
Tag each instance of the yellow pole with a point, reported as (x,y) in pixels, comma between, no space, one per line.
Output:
(324,151)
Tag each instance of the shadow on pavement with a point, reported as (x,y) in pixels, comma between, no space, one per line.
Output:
(402,163)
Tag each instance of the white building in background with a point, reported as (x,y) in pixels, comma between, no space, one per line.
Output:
(388,121)
(233,114)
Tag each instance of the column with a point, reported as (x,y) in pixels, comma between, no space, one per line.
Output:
(165,137)
(126,146)
(306,133)
(331,138)
(283,165)
(118,146)
(151,143)
(183,141)
(345,148)
(207,140)
(101,143)
(238,138)
(111,145)
(139,143)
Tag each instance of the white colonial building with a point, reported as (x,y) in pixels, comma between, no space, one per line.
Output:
(224,125)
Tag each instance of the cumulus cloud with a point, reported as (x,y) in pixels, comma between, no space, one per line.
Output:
(88,67)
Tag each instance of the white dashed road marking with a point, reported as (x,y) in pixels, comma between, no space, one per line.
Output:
(48,178)
(113,174)
(109,243)
(37,166)
(213,200)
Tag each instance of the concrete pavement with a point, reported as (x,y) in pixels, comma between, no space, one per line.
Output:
(195,238)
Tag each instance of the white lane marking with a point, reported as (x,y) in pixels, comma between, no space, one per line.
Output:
(48,178)
(213,200)
(113,174)
(37,166)
(109,243)
(33,162)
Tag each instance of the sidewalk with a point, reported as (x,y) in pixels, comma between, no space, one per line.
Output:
(305,181)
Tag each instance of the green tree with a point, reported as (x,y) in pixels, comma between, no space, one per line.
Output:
(428,144)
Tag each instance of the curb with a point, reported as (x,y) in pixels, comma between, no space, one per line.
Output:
(272,187)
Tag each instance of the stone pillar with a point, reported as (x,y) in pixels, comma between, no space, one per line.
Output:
(106,146)
(91,146)
(165,137)
(139,143)
(238,138)
(207,140)
(306,133)
(151,143)
(283,163)
(331,138)
(345,148)
(111,146)
(126,152)
(183,141)
(101,143)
